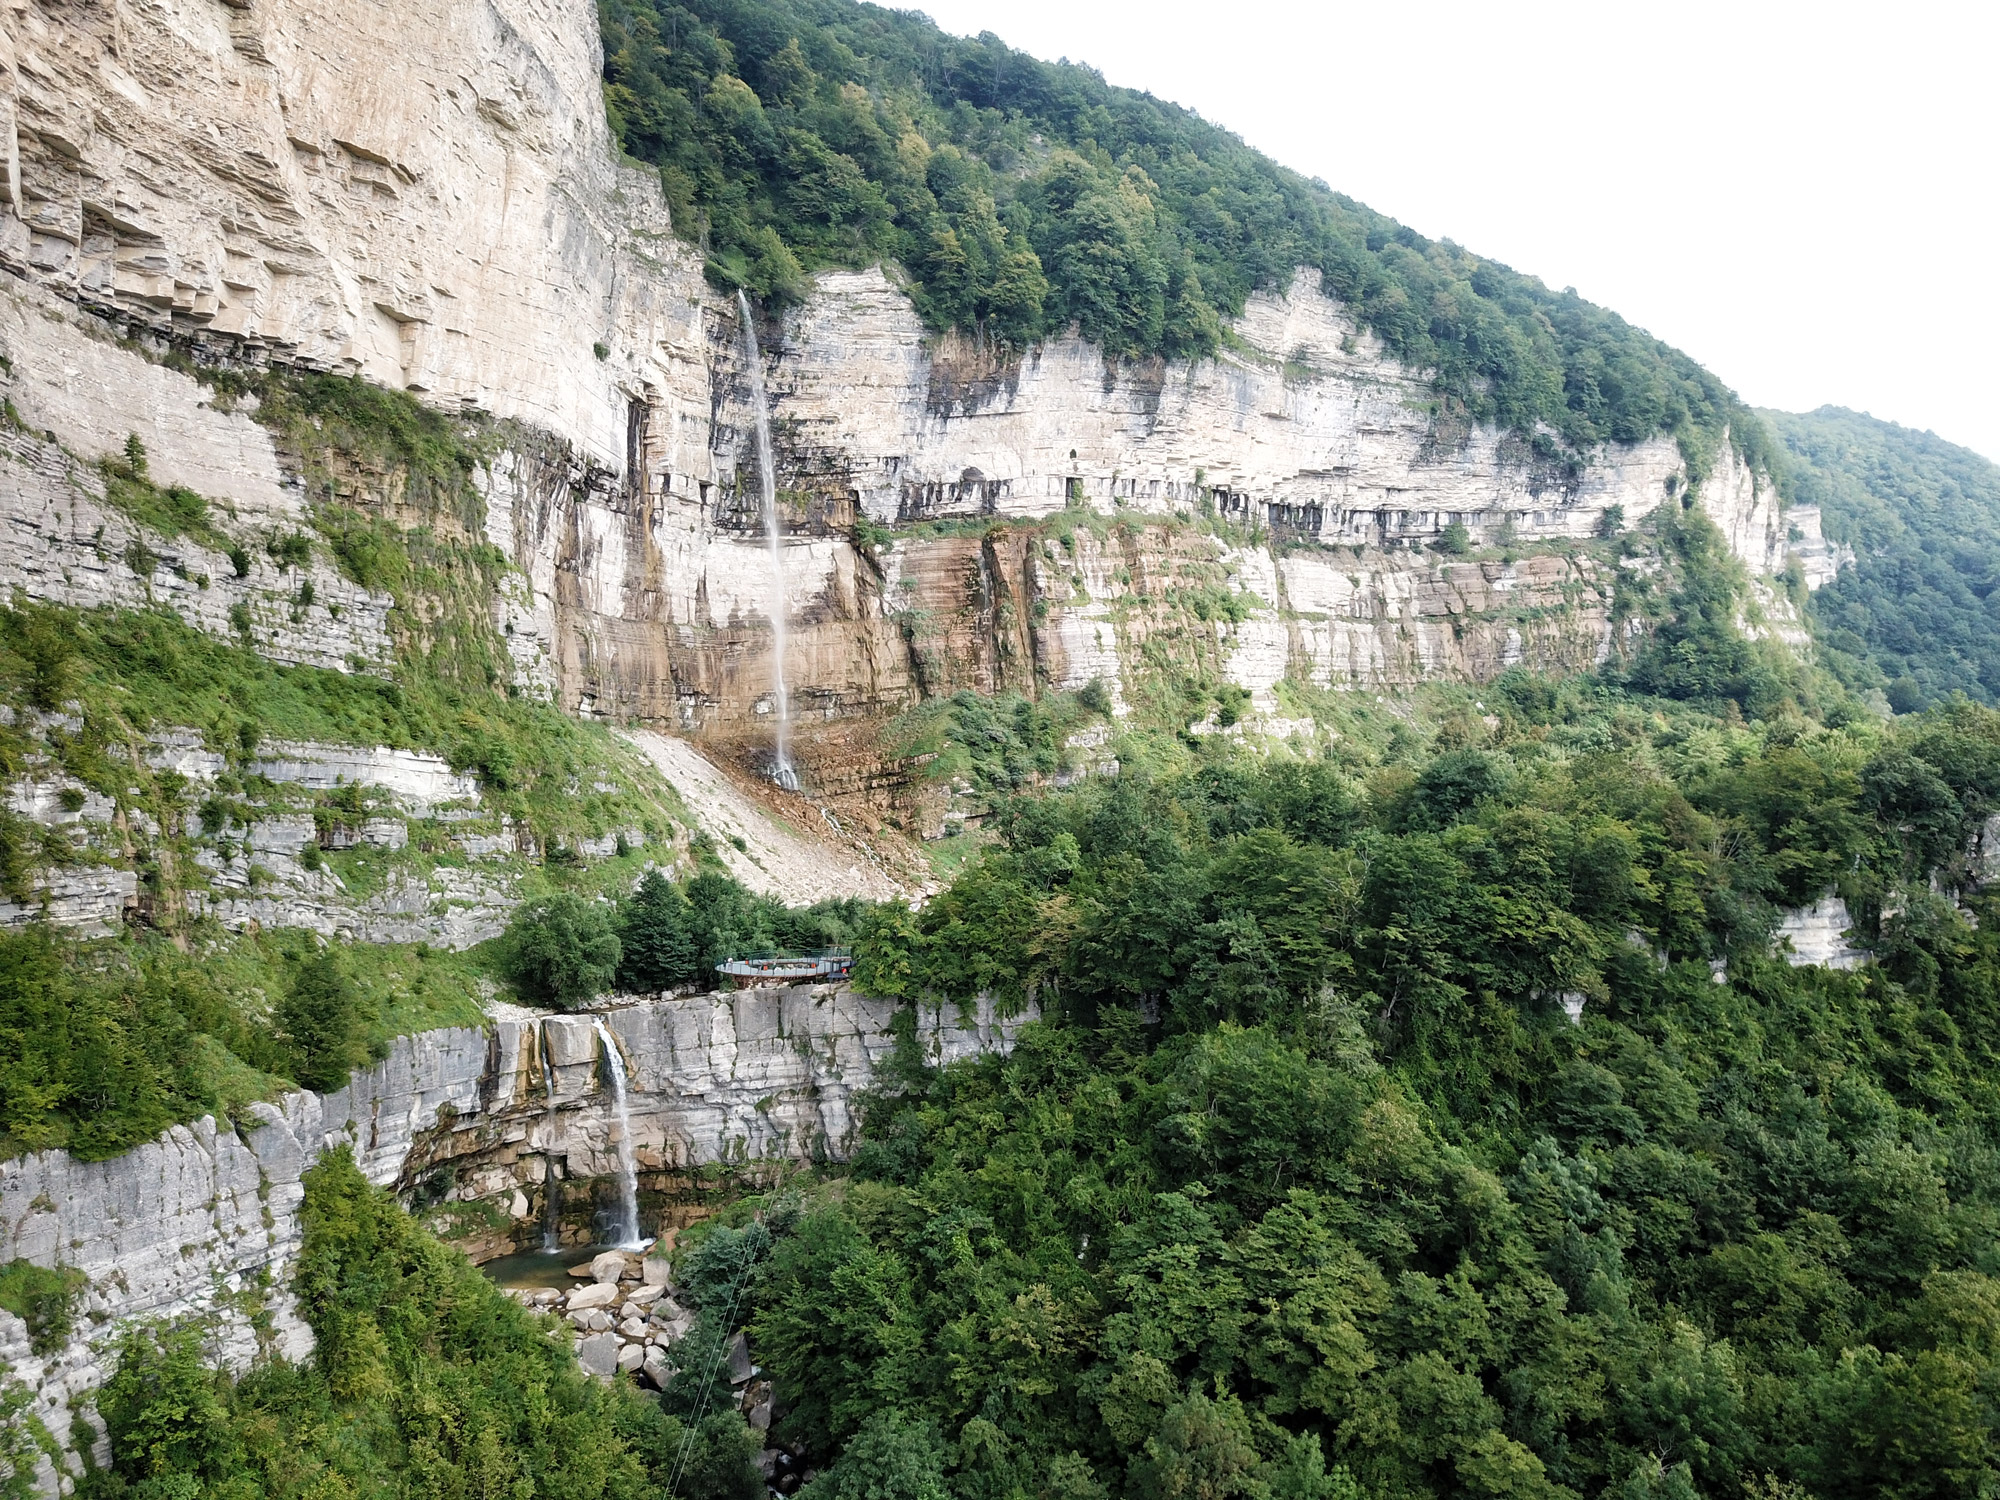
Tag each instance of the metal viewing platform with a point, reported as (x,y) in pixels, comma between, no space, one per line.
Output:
(823,966)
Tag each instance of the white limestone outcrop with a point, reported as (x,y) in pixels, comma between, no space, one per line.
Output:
(256,852)
(62,542)
(428,196)
(1817,935)
(1304,423)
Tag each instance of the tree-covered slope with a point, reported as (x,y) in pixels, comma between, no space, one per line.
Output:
(1916,612)
(1438,1124)
(1308,1185)
(1021,197)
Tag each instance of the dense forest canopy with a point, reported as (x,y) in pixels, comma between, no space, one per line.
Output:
(1308,1184)
(1021,197)
(1916,612)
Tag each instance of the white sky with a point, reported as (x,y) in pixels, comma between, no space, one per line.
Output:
(1804,197)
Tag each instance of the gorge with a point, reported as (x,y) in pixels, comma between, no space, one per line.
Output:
(1395,952)
(203,1223)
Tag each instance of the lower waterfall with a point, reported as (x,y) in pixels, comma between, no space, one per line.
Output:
(552,1191)
(625,1231)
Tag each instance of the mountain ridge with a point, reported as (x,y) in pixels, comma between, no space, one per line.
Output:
(1148,235)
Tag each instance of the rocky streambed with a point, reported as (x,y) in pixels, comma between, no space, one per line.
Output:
(625,1319)
(623,1316)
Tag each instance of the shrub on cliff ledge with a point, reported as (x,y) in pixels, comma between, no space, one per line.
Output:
(562,950)
(322,1022)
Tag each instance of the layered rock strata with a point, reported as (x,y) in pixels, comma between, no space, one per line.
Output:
(203,1222)
(253,838)
(429,197)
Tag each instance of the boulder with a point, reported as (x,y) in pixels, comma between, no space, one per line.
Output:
(582,1273)
(579,1320)
(740,1367)
(655,1271)
(630,1357)
(631,1309)
(633,1328)
(517,1206)
(600,1320)
(597,1294)
(646,1296)
(546,1295)
(609,1266)
(655,1367)
(598,1354)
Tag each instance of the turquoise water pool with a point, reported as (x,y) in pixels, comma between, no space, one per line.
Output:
(535,1268)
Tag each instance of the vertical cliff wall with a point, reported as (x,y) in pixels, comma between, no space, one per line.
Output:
(428,196)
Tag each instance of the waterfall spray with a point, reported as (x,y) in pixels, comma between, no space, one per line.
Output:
(551,1189)
(781,771)
(625,1233)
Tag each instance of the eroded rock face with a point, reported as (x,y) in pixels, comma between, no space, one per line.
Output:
(203,1222)
(424,193)
(259,864)
(61,542)
(1307,414)
(427,195)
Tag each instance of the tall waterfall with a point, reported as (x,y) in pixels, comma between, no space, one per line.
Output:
(551,1189)
(781,771)
(625,1233)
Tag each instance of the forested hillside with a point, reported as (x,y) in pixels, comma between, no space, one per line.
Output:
(1440,1122)
(1431,1102)
(1449,1132)
(1915,613)
(1021,197)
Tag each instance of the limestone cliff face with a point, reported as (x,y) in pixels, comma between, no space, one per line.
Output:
(428,195)
(203,1222)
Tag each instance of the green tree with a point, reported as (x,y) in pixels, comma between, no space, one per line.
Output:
(656,947)
(165,1414)
(321,1021)
(562,950)
(892,1457)
(1202,1451)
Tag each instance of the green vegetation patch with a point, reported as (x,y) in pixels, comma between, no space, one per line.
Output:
(426,1379)
(43,1298)
(135,671)
(565,950)
(172,511)
(105,1043)
(1307,1177)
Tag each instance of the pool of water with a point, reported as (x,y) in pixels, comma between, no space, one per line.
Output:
(534,1268)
